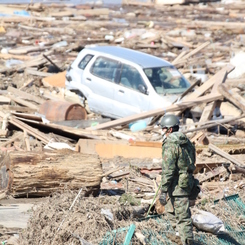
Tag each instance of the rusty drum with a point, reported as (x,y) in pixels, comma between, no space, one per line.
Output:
(62,111)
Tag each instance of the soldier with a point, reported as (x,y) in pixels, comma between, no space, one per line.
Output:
(178,164)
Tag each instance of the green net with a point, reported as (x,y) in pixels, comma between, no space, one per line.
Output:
(232,206)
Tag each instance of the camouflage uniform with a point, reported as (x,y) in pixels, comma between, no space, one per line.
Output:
(178,164)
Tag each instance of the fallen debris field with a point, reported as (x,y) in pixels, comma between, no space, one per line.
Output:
(90,179)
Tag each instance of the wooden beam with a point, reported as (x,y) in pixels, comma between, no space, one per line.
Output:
(209,108)
(26,137)
(234,98)
(11,140)
(196,50)
(226,155)
(23,102)
(26,84)
(209,124)
(208,84)
(161,111)
(32,131)
(21,94)
(18,108)
(37,73)
(209,175)
(76,132)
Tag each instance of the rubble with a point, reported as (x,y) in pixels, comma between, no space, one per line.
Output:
(38,44)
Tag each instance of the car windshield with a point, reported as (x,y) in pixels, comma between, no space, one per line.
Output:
(167,80)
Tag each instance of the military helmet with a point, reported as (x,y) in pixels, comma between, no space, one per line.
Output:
(169,121)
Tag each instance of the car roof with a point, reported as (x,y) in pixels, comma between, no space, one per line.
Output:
(143,59)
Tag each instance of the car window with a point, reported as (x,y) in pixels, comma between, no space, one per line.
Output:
(83,63)
(167,80)
(130,77)
(105,68)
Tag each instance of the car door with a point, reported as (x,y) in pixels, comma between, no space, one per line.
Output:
(100,80)
(129,98)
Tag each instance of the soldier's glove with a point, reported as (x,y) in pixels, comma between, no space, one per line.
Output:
(163,198)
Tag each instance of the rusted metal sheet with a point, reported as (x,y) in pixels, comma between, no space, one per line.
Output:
(62,110)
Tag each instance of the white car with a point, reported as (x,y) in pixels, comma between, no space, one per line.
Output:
(118,82)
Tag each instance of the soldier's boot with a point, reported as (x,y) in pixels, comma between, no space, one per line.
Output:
(191,242)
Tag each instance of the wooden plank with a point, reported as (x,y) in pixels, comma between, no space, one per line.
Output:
(93,12)
(3,133)
(137,3)
(208,165)
(62,14)
(214,185)
(26,137)
(208,84)
(15,19)
(31,63)
(119,175)
(18,108)
(4,100)
(161,111)
(209,108)
(188,90)
(23,102)
(28,96)
(27,116)
(25,50)
(219,24)
(37,73)
(72,132)
(145,143)
(32,131)
(11,140)
(12,56)
(26,84)
(181,55)
(169,2)
(126,151)
(145,181)
(234,98)
(209,175)
(88,146)
(211,123)
(226,155)
(112,171)
(207,112)
(196,50)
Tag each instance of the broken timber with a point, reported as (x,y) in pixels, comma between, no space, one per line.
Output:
(226,155)
(175,107)
(208,110)
(234,98)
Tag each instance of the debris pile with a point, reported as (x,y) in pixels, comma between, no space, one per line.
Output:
(44,126)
